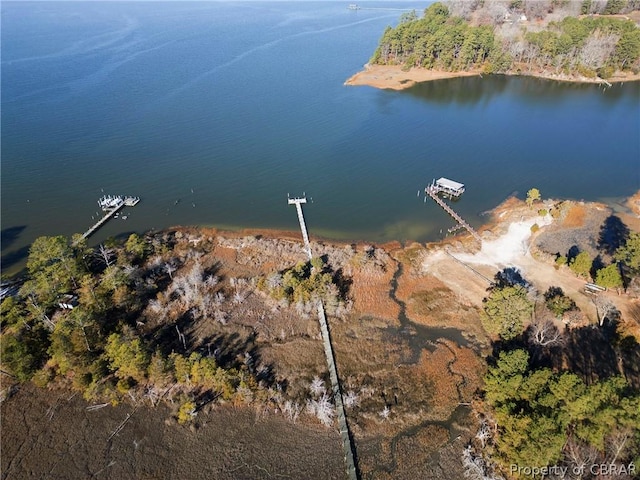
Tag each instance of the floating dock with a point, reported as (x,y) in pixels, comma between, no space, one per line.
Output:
(450,188)
(111,204)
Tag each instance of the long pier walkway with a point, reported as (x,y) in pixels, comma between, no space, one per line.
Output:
(110,213)
(110,205)
(345,435)
(303,227)
(433,191)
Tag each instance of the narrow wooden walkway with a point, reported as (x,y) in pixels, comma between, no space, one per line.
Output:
(433,191)
(102,221)
(348,448)
(114,205)
(303,227)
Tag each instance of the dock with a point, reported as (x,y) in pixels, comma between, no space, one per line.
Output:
(111,204)
(348,447)
(444,186)
(303,227)
(355,6)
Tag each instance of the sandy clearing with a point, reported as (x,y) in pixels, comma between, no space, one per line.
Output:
(470,274)
(510,249)
(396,77)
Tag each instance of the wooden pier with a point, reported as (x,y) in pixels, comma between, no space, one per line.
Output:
(348,448)
(452,189)
(355,6)
(111,205)
(303,227)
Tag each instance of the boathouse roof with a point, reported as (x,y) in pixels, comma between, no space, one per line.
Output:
(450,184)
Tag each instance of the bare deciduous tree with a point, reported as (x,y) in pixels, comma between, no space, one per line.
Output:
(105,254)
(475,467)
(351,399)
(291,410)
(605,309)
(483,435)
(386,411)
(597,49)
(544,333)
(462,8)
(169,268)
(616,444)
(211,281)
(317,387)
(579,456)
(322,409)
(220,316)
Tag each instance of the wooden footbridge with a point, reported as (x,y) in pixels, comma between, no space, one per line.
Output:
(111,204)
(348,448)
(446,187)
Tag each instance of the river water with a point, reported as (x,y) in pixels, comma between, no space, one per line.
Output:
(212,112)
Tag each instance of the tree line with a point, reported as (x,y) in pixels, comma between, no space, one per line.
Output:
(79,320)
(116,323)
(560,392)
(589,46)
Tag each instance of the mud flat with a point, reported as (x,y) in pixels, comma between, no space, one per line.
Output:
(51,434)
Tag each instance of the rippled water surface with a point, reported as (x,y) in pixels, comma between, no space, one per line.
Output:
(213,112)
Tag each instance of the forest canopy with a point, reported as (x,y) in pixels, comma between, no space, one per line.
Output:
(506,41)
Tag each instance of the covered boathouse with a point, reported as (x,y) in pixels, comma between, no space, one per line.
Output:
(444,185)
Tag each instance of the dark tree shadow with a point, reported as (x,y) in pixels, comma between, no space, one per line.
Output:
(572,253)
(506,346)
(592,352)
(10,235)
(629,351)
(167,337)
(597,264)
(613,234)
(543,356)
(15,257)
(509,277)
(342,282)
(589,352)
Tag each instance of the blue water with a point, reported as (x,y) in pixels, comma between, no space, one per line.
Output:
(213,112)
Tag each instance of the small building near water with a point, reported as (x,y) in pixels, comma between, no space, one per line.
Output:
(449,186)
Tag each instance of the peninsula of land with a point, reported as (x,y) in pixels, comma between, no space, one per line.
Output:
(565,42)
